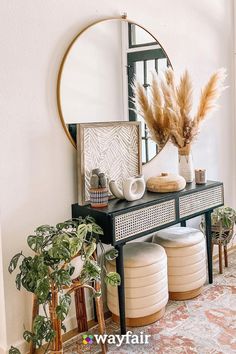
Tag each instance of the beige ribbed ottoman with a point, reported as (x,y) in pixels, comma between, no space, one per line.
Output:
(146,288)
(186,258)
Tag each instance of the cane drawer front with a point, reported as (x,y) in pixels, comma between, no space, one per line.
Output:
(144,219)
(199,201)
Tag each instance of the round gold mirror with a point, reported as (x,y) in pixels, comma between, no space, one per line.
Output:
(96,75)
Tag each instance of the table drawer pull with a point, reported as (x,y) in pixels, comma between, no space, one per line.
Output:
(138,221)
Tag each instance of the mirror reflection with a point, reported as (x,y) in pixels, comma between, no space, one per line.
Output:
(95,80)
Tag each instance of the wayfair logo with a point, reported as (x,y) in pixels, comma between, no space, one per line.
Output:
(128,338)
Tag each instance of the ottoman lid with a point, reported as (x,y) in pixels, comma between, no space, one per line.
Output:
(140,254)
(178,237)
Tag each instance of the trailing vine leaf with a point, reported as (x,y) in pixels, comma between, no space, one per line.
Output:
(112,278)
(82,231)
(33,269)
(42,289)
(91,271)
(35,242)
(63,307)
(62,277)
(89,228)
(60,248)
(97,229)
(75,245)
(45,230)
(90,248)
(14,261)
(14,350)
(42,330)
(28,336)
(112,254)
(18,281)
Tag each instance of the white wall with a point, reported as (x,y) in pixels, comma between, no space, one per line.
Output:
(2,305)
(38,178)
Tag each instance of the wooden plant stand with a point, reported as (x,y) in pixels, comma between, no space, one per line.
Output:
(77,288)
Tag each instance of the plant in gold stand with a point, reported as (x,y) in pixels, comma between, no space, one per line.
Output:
(167,111)
(48,274)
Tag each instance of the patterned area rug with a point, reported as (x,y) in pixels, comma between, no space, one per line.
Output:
(205,325)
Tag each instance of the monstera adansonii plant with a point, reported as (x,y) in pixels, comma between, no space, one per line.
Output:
(49,271)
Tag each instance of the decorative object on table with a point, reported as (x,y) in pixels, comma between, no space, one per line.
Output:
(48,274)
(165,183)
(133,188)
(168,111)
(115,147)
(146,284)
(98,189)
(200,176)
(222,230)
(185,248)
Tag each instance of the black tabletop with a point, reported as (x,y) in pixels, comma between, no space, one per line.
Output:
(117,205)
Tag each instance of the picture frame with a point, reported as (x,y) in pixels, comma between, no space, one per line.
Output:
(114,147)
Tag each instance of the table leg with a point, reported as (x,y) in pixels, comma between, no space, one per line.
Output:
(121,287)
(183,223)
(209,245)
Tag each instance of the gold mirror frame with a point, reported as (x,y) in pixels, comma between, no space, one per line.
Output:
(122,18)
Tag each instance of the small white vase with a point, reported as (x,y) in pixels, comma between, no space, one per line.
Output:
(186,169)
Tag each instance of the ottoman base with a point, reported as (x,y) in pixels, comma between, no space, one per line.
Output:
(185,295)
(141,321)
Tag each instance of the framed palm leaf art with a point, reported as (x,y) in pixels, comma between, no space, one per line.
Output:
(114,147)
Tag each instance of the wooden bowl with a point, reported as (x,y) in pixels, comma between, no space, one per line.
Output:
(166,183)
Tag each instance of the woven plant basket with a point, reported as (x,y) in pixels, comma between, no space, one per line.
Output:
(221,234)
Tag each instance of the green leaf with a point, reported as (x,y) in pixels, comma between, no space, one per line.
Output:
(35,242)
(112,254)
(14,350)
(45,230)
(33,269)
(90,248)
(18,281)
(14,261)
(97,229)
(112,278)
(42,330)
(82,231)
(91,271)
(60,248)
(42,289)
(89,228)
(28,336)
(63,307)
(75,246)
(62,277)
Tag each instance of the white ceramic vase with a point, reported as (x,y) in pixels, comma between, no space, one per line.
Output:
(186,169)
(78,264)
(133,188)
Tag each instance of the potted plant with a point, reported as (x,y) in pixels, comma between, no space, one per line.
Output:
(222,230)
(48,274)
(223,217)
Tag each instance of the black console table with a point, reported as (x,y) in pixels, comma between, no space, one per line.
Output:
(124,221)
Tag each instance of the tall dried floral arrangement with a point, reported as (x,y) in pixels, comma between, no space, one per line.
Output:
(167,108)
